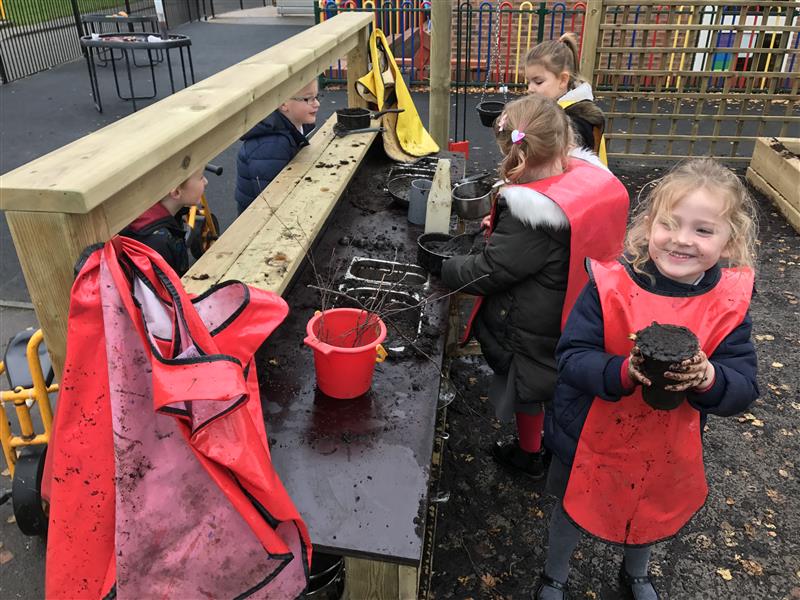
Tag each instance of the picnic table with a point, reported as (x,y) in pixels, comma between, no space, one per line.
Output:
(128,43)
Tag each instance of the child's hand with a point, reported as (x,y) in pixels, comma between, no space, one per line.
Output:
(693,373)
(635,360)
(486,221)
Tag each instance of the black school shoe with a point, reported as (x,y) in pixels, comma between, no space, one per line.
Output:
(626,583)
(515,459)
(546,580)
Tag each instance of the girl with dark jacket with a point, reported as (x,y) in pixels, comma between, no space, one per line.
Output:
(269,146)
(551,69)
(624,471)
(553,207)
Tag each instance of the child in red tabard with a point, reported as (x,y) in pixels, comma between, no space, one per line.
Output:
(160,228)
(551,69)
(626,472)
(558,206)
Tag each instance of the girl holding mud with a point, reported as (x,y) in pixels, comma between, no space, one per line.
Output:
(545,221)
(623,471)
(551,69)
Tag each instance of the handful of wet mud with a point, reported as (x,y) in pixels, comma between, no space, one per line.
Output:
(662,346)
(458,246)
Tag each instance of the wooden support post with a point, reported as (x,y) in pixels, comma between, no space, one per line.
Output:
(439,117)
(357,67)
(440,198)
(48,244)
(591,35)
(376,580)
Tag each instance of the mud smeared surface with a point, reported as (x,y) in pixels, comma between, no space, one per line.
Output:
(357,469)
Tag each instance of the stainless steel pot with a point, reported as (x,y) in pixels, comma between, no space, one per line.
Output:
(472,200)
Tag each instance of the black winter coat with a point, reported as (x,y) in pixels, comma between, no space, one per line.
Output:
(526,263)
(266,149)
(164,233)
(586,371)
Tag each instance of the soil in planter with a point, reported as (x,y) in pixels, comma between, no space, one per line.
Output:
(662,346)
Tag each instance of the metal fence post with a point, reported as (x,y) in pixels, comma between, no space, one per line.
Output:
(541,12)
(591,35)
(78,24)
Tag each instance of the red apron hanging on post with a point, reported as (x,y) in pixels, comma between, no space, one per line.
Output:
(596,205)
(162,484)
(638,475)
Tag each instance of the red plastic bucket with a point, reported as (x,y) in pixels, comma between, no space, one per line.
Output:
(344,364)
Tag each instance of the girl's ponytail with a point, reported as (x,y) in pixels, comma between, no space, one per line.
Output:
(570,40)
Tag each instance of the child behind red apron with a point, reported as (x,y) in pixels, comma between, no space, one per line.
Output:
(556,210)
(625,472)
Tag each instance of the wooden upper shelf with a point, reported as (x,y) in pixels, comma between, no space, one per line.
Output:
(128,165)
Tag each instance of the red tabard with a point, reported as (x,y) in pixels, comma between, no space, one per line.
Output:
(162,483)
(638,474)
(596,205)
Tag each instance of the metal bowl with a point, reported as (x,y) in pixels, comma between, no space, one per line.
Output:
(472,200)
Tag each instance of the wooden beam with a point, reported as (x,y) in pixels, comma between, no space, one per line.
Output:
(271,259)
(357,65)
(132,163)
(215,264)
(376,580)
(48,244)
(789,211)
(591,35)
(779,170)
(439,117)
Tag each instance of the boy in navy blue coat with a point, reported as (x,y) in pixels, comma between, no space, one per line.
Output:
(270,145)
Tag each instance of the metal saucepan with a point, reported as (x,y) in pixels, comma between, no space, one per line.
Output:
(359,118)
(472,200)
(399,185)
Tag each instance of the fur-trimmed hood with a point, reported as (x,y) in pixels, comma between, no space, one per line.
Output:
(584,106)
(537,210)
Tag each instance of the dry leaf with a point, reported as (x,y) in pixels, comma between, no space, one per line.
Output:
(730,501)
(464,579)
(590,594)
(783,473)
(725,574)
(488,580)
(11,519)
(751,567)
(777,365)
(468,458)
(472,380)
(757,423)
(6,473)
(5,556)
(765,337)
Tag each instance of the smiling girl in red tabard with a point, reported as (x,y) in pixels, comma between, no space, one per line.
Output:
(625,472)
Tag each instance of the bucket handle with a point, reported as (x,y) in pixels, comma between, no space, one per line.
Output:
(381,353)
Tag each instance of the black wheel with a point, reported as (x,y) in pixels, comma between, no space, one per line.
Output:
(26,491)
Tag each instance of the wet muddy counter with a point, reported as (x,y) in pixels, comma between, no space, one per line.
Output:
(358,469)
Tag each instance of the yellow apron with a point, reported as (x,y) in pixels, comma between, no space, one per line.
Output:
(601,146)
(384,87)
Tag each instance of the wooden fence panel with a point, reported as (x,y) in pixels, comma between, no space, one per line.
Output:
(688,78)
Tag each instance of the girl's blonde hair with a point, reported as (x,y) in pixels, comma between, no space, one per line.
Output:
(688,176)
(548,136)
(557,56)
